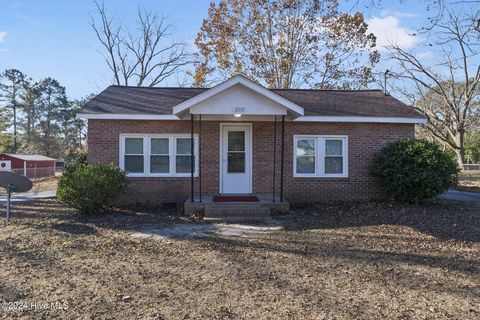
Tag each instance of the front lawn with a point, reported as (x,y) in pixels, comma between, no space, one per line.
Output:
(370,260)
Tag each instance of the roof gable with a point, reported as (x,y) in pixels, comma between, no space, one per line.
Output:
(238,92)
(238,99)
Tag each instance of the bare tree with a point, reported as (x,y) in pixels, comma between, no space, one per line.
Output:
(436,9)
(447,93)
(145,56)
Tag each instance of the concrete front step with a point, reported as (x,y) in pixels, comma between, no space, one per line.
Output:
(219,209)
(211,209)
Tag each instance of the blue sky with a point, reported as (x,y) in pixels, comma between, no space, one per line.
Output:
(54,38)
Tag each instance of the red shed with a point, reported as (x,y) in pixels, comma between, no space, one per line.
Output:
(30,165)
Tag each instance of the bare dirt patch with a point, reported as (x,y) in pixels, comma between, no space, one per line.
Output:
(357,261)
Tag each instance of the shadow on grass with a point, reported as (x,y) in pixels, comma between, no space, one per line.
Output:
(309,252)
(48,214)
(75,228)
(307,248)
(445,220)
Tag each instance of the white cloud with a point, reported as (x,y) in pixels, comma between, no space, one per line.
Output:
(2,35)
(398,14)
(389,32)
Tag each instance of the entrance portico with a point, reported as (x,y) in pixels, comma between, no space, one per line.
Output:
(236,104)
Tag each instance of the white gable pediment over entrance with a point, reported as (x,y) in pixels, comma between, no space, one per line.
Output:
(238,95)
(238,99)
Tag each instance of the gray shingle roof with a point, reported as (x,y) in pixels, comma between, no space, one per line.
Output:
(352,103)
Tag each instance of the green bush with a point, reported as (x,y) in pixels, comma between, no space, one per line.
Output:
(414,170)
(73,160)
(91,188)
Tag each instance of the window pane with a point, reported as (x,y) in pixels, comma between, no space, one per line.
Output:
(236,140)
(183,164)
(236,162)
(159,146)
(183,146)
(133,145)
(159,164)
(306,164)
(333,147)
(333,165)
(134,164)
(306,147)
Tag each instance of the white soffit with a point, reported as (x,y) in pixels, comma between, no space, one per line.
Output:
(117,116)
(361,119)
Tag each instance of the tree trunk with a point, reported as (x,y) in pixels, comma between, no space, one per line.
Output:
(461,149)
(460,156)
(14,103)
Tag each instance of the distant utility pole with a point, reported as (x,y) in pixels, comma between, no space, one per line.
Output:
(385,75)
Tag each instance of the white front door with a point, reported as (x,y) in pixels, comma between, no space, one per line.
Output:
(236,159)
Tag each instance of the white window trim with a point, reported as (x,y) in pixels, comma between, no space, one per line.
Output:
(320,156)
(146,154)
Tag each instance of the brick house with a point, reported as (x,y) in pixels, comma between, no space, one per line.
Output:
(275,144)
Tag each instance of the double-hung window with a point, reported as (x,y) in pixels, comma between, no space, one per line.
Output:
(320,156)
(158,155)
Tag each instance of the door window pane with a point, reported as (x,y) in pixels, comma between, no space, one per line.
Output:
(159,164)
(306,147)
(236,162)
(134,164)
(306,164)
(334,165)
(133,145)
(333,147)
(236,140)
(159,146)
(183,164)
(184,146)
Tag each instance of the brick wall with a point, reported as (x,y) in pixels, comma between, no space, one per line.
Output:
(363,141)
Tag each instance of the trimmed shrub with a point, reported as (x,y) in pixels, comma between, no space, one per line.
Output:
(415,170)
(73,160)
(91,188)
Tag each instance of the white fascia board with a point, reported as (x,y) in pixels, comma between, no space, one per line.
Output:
(121,116)
(179,108)
(361,119)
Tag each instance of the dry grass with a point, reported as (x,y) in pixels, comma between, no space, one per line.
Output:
(45,184)
(469,180)
(360,261)
(42,184)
